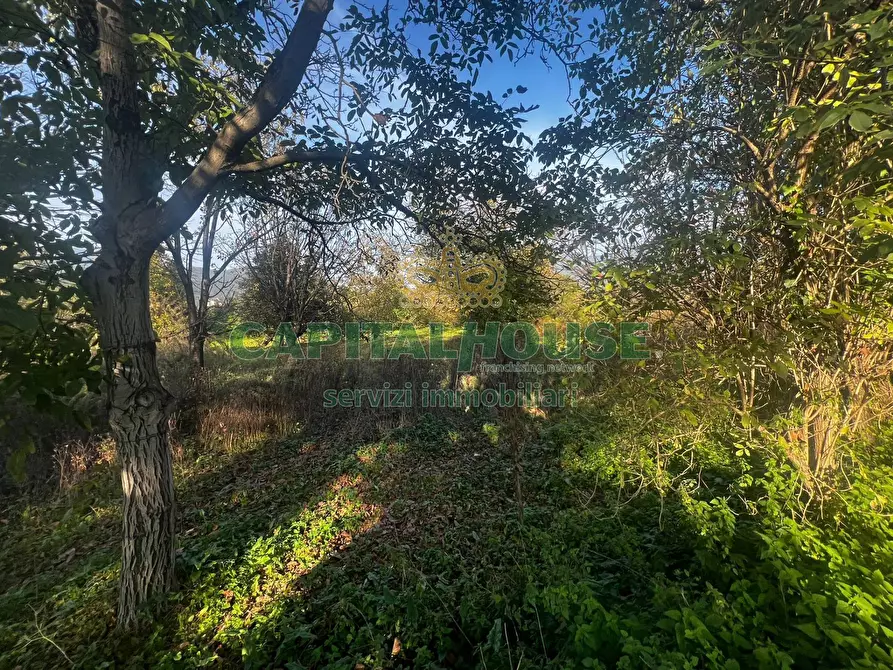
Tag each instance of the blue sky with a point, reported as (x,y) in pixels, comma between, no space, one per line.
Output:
(547,82)
(547,88)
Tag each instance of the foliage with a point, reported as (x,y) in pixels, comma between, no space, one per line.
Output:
(724,505)
(375,297)
(403,547)
(752,205)
(166,300)
(288,279)
(46,358)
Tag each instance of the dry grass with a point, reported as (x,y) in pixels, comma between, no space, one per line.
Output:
(247,402)
(74,458)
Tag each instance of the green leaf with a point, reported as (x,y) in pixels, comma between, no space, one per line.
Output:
(162,40)
(860,121)
(15,462)
(810,629)
(74,387)
(12,57)
(690,416)
(832,118)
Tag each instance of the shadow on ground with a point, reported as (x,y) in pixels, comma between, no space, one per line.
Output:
(325,550)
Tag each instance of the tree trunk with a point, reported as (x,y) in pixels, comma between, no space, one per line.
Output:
(198,352)
(138,407)
(197,344)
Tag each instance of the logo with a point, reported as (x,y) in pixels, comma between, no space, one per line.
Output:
(478,283)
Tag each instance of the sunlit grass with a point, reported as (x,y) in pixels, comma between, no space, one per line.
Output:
(353,539)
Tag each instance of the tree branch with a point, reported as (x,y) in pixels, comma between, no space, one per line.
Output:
(272,200)
(122,141)
(303,156)
(279,85)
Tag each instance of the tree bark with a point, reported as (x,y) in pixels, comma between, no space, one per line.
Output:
(195,309)
(139,407)
(118,285)
(197,348)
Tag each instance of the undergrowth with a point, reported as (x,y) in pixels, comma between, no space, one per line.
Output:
(310,544)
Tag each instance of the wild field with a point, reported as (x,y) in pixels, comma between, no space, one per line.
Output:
(689,200)
(620,533)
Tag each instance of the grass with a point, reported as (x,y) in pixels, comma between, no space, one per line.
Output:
(355,539)
(270,509)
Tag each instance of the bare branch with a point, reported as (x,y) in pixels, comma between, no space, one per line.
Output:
(272,200)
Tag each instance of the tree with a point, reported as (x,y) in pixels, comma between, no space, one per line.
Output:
(45,333)
(201,261)
(754,199)
(193,103)
(375,292)
(131,227)
(167,299)
(292,274)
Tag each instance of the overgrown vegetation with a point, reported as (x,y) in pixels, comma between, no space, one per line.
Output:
(392,540)
(720,170)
